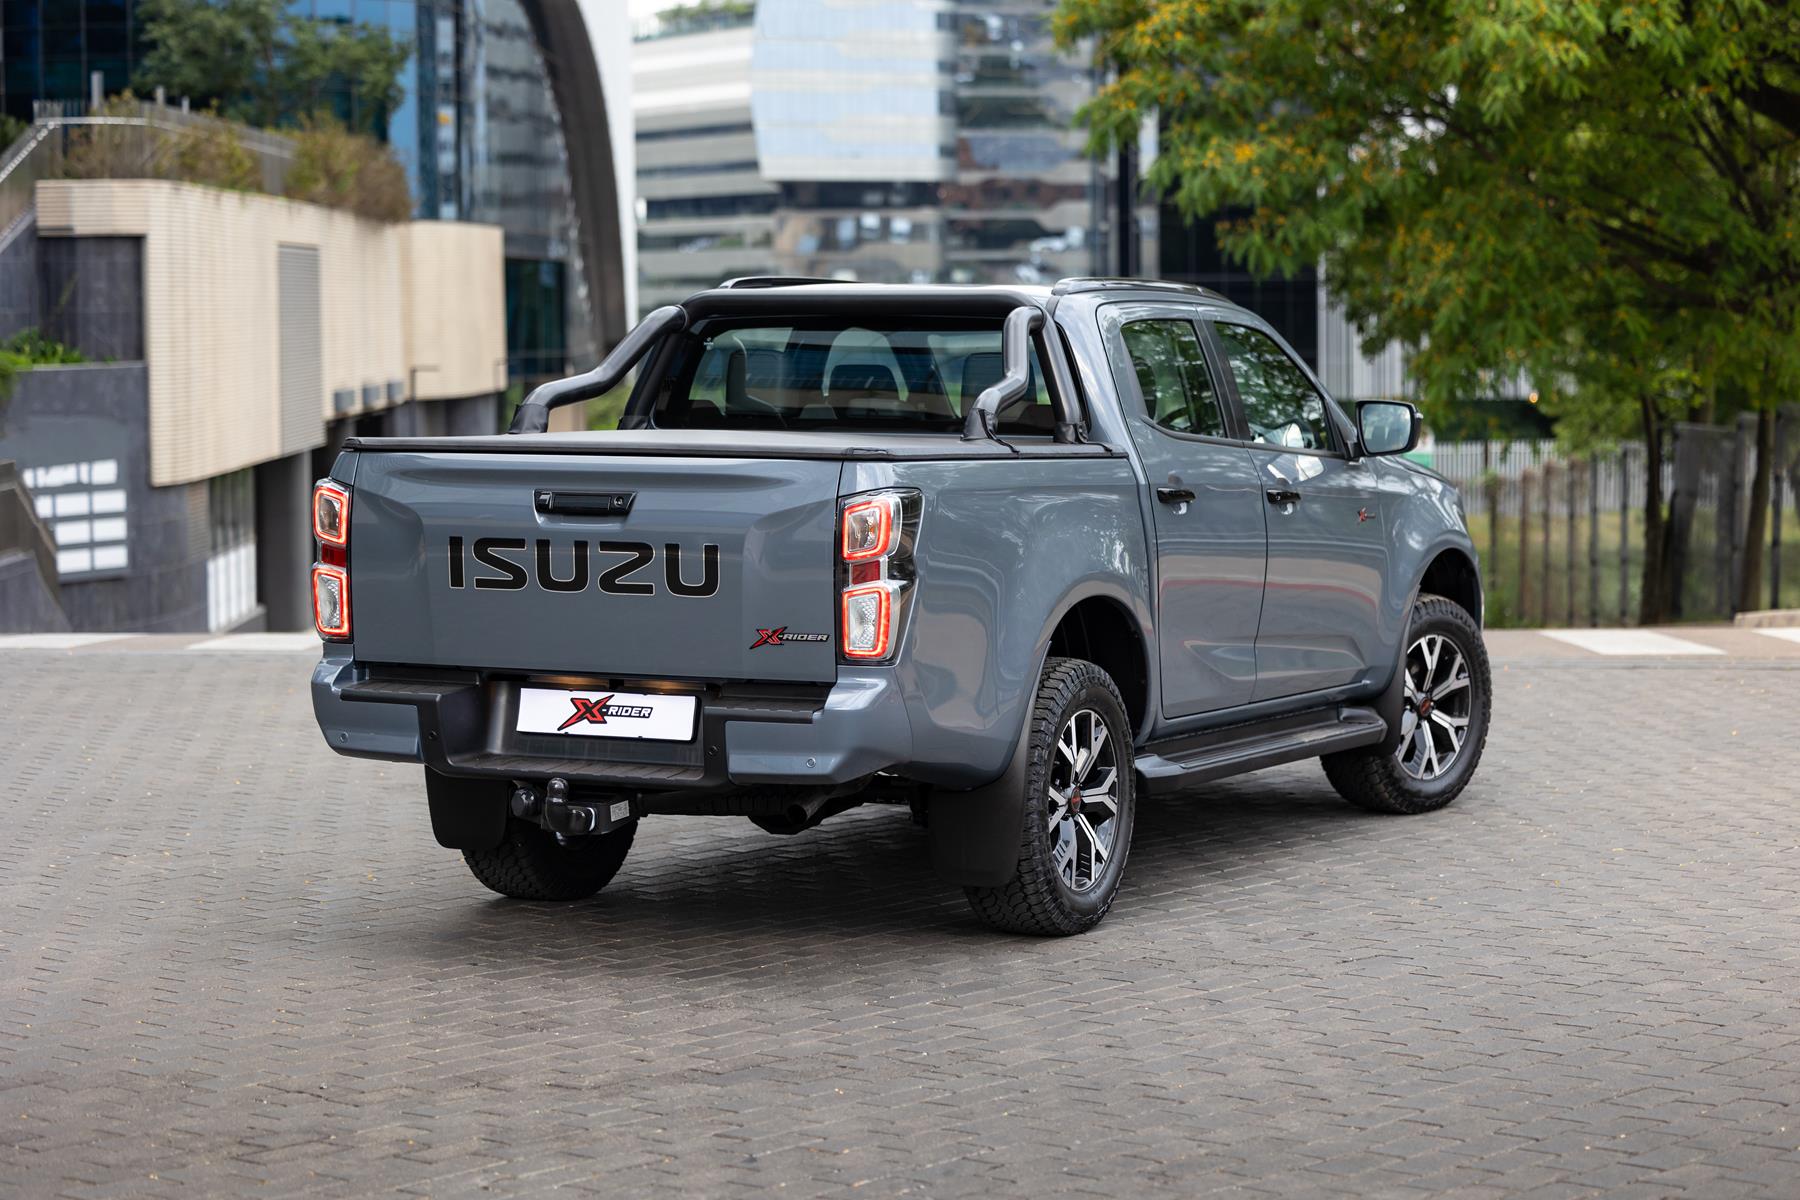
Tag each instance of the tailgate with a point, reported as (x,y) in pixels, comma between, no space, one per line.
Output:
(454,563)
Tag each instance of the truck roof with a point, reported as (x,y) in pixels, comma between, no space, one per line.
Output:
(787,292)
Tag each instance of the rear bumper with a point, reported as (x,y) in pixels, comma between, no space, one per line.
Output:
(458,723)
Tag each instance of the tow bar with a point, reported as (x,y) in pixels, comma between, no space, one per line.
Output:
(553,811)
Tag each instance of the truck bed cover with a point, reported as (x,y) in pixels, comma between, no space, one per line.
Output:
(737,443)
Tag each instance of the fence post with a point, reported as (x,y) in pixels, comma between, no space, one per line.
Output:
(1781,479)
(1569,516)
(1525,546)
(1593,481)
(1494,484)
(1624,533)
(1549,499)
(1778,483)
(1741,442)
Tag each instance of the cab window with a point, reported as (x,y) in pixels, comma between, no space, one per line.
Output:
(1281,406)
(838,375)
(1172,375)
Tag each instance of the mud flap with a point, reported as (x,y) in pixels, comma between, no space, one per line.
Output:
(975,835)
(466,814)
(1391,705)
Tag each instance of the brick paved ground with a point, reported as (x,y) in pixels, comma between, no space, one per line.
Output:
(233,963)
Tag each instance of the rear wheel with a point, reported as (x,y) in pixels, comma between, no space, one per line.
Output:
(1443,724)
(1079,808)
(532,864)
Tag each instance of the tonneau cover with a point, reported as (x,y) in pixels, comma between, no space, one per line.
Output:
(738,443)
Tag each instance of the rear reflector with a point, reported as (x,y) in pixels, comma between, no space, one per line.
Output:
(331,602)
(868,621)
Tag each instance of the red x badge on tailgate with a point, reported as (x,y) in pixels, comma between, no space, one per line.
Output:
(591,711)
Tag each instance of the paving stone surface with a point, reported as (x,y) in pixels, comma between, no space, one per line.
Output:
(232,963)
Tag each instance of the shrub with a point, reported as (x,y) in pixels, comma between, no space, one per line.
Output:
(212,154)
(353,171)
(112,151)
(29,348)
(12,129)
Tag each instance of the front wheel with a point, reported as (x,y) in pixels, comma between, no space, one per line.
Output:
(1443,724)
(1079,806)
(532,864)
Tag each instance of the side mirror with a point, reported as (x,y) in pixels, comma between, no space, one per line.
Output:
(1387,426)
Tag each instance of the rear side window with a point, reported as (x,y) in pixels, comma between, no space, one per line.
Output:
(1280,403)
(833,375)
(1172,375)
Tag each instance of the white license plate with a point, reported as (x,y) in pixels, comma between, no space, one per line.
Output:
(607,714)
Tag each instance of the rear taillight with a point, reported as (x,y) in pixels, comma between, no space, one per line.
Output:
(875,572)
(331,513)
(331,573)
(331,602)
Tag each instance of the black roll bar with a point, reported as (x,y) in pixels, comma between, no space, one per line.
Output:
(534,415)
(1015,355)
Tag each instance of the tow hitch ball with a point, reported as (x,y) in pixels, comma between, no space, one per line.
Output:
(556,814)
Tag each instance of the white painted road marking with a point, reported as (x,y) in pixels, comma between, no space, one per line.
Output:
(260,642)
(1628,642)
(55,641)
(1786,635)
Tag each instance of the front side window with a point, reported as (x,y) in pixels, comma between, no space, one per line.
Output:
(1172,375)
(1280,404)
(826,374)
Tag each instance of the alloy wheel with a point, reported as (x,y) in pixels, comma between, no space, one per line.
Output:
(1439,699)
(1082,805)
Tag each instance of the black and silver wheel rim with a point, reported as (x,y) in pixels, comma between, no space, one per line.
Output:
(1082,805)
(1440,696)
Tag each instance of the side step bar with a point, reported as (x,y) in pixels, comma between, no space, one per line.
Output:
(1218,754)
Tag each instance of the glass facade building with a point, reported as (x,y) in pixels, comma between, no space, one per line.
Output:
(50,48)
(1027,204)
(878,140)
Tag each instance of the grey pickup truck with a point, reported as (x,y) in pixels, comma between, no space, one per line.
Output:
(1015,557)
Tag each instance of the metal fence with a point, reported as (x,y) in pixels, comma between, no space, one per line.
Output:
(1562,537)
(137,133)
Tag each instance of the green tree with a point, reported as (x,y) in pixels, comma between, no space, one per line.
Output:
(266,65)
(1600,197)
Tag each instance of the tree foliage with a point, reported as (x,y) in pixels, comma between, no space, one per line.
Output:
(340,169)
(1599,197)
(266,65)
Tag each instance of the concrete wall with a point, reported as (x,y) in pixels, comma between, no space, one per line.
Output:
(456,308)
(212,311)
(91,295)
(26,605)
(79,435)
(19,279)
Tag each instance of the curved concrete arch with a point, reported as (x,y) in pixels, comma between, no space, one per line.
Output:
(565,41)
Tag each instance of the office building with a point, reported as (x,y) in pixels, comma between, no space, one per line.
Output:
(885,140)
(235,340)
(489,129)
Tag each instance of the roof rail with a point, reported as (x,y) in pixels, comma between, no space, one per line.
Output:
(1102,283)
(773,281)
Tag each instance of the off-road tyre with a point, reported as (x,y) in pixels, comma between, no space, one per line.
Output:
(530,864)
(1372,777)
(1037,900)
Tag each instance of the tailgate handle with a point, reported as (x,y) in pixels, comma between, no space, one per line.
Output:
(583,504)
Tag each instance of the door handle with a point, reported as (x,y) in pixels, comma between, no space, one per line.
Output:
(1283,496)
(1175,495)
